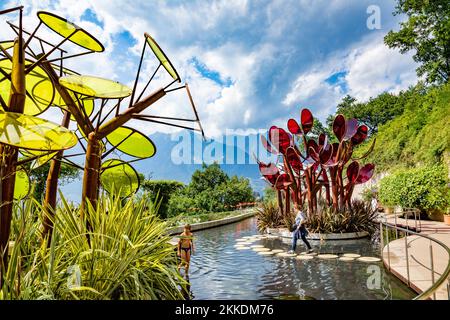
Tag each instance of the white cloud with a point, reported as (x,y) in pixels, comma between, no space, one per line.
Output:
(368,68)
(253,47)
(375,68)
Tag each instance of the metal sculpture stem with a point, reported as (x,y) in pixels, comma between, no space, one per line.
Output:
(51,188)
(9,155)
(91,178)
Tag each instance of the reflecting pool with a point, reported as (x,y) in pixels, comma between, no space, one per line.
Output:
(220,271)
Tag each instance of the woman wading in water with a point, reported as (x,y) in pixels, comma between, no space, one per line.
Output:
(185,248)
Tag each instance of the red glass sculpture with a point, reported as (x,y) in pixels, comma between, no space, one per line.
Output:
(302,176)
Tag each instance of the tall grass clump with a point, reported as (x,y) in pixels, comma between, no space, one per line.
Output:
(119,250)
(268,215)
(360,217)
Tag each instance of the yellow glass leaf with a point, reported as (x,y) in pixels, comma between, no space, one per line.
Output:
(22,185)
(33,133)
(66,29)
(43,157)
(119,177)
(132,142)
(161,56)
(88,104)
(40,90)
(95,87)
(42,160)
(7,44)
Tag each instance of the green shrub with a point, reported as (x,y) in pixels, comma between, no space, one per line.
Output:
(369,193)
(162,190)
(270,194)
(210,190)
(420,135)
(424,188)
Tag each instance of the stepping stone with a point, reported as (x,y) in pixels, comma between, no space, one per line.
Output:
(244,243)
(266,253)
(305,253)
(304,257)
(327,256)
(277,250)
(257,246)
(347,259)
(286,255)
(369,259)
(243,248)
(351,255)
(260,249)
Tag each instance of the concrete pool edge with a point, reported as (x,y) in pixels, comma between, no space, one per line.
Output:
(214,223)
(285,233)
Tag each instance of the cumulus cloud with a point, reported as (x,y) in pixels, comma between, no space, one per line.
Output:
(265,57)
(363,70)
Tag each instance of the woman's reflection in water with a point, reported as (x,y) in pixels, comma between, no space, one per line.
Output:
(186,291)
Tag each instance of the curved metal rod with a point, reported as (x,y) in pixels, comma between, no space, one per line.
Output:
(445,275)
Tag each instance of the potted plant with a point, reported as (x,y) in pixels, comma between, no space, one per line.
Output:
(447,217)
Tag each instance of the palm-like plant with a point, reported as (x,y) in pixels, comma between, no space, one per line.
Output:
(119,251)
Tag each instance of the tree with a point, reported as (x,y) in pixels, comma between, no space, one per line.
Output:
(377,111)
(208,178)
(210,190)
(319,128)
(427,31)
(236,190)
(161,190)
(39,175)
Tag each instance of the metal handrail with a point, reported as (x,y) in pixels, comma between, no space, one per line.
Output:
(407,211)
(431,291)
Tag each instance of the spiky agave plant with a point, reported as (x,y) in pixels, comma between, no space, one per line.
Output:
(268,216)
(123,254)
(360,217)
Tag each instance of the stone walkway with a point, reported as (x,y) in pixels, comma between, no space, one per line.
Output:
(419,256)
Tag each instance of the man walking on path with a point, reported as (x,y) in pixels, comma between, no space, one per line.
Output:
(300,232)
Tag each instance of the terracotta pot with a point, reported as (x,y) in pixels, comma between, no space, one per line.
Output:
(447,219)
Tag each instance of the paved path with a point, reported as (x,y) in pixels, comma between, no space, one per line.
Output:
(419,257)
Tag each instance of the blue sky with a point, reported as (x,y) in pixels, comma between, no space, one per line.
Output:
(249,64)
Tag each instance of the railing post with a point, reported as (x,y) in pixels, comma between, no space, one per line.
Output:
(389,254)
(432,268)
(420,221)
(448,288)
(415,219)
(407,258)
(407,225)
(395,221)
(381,238)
